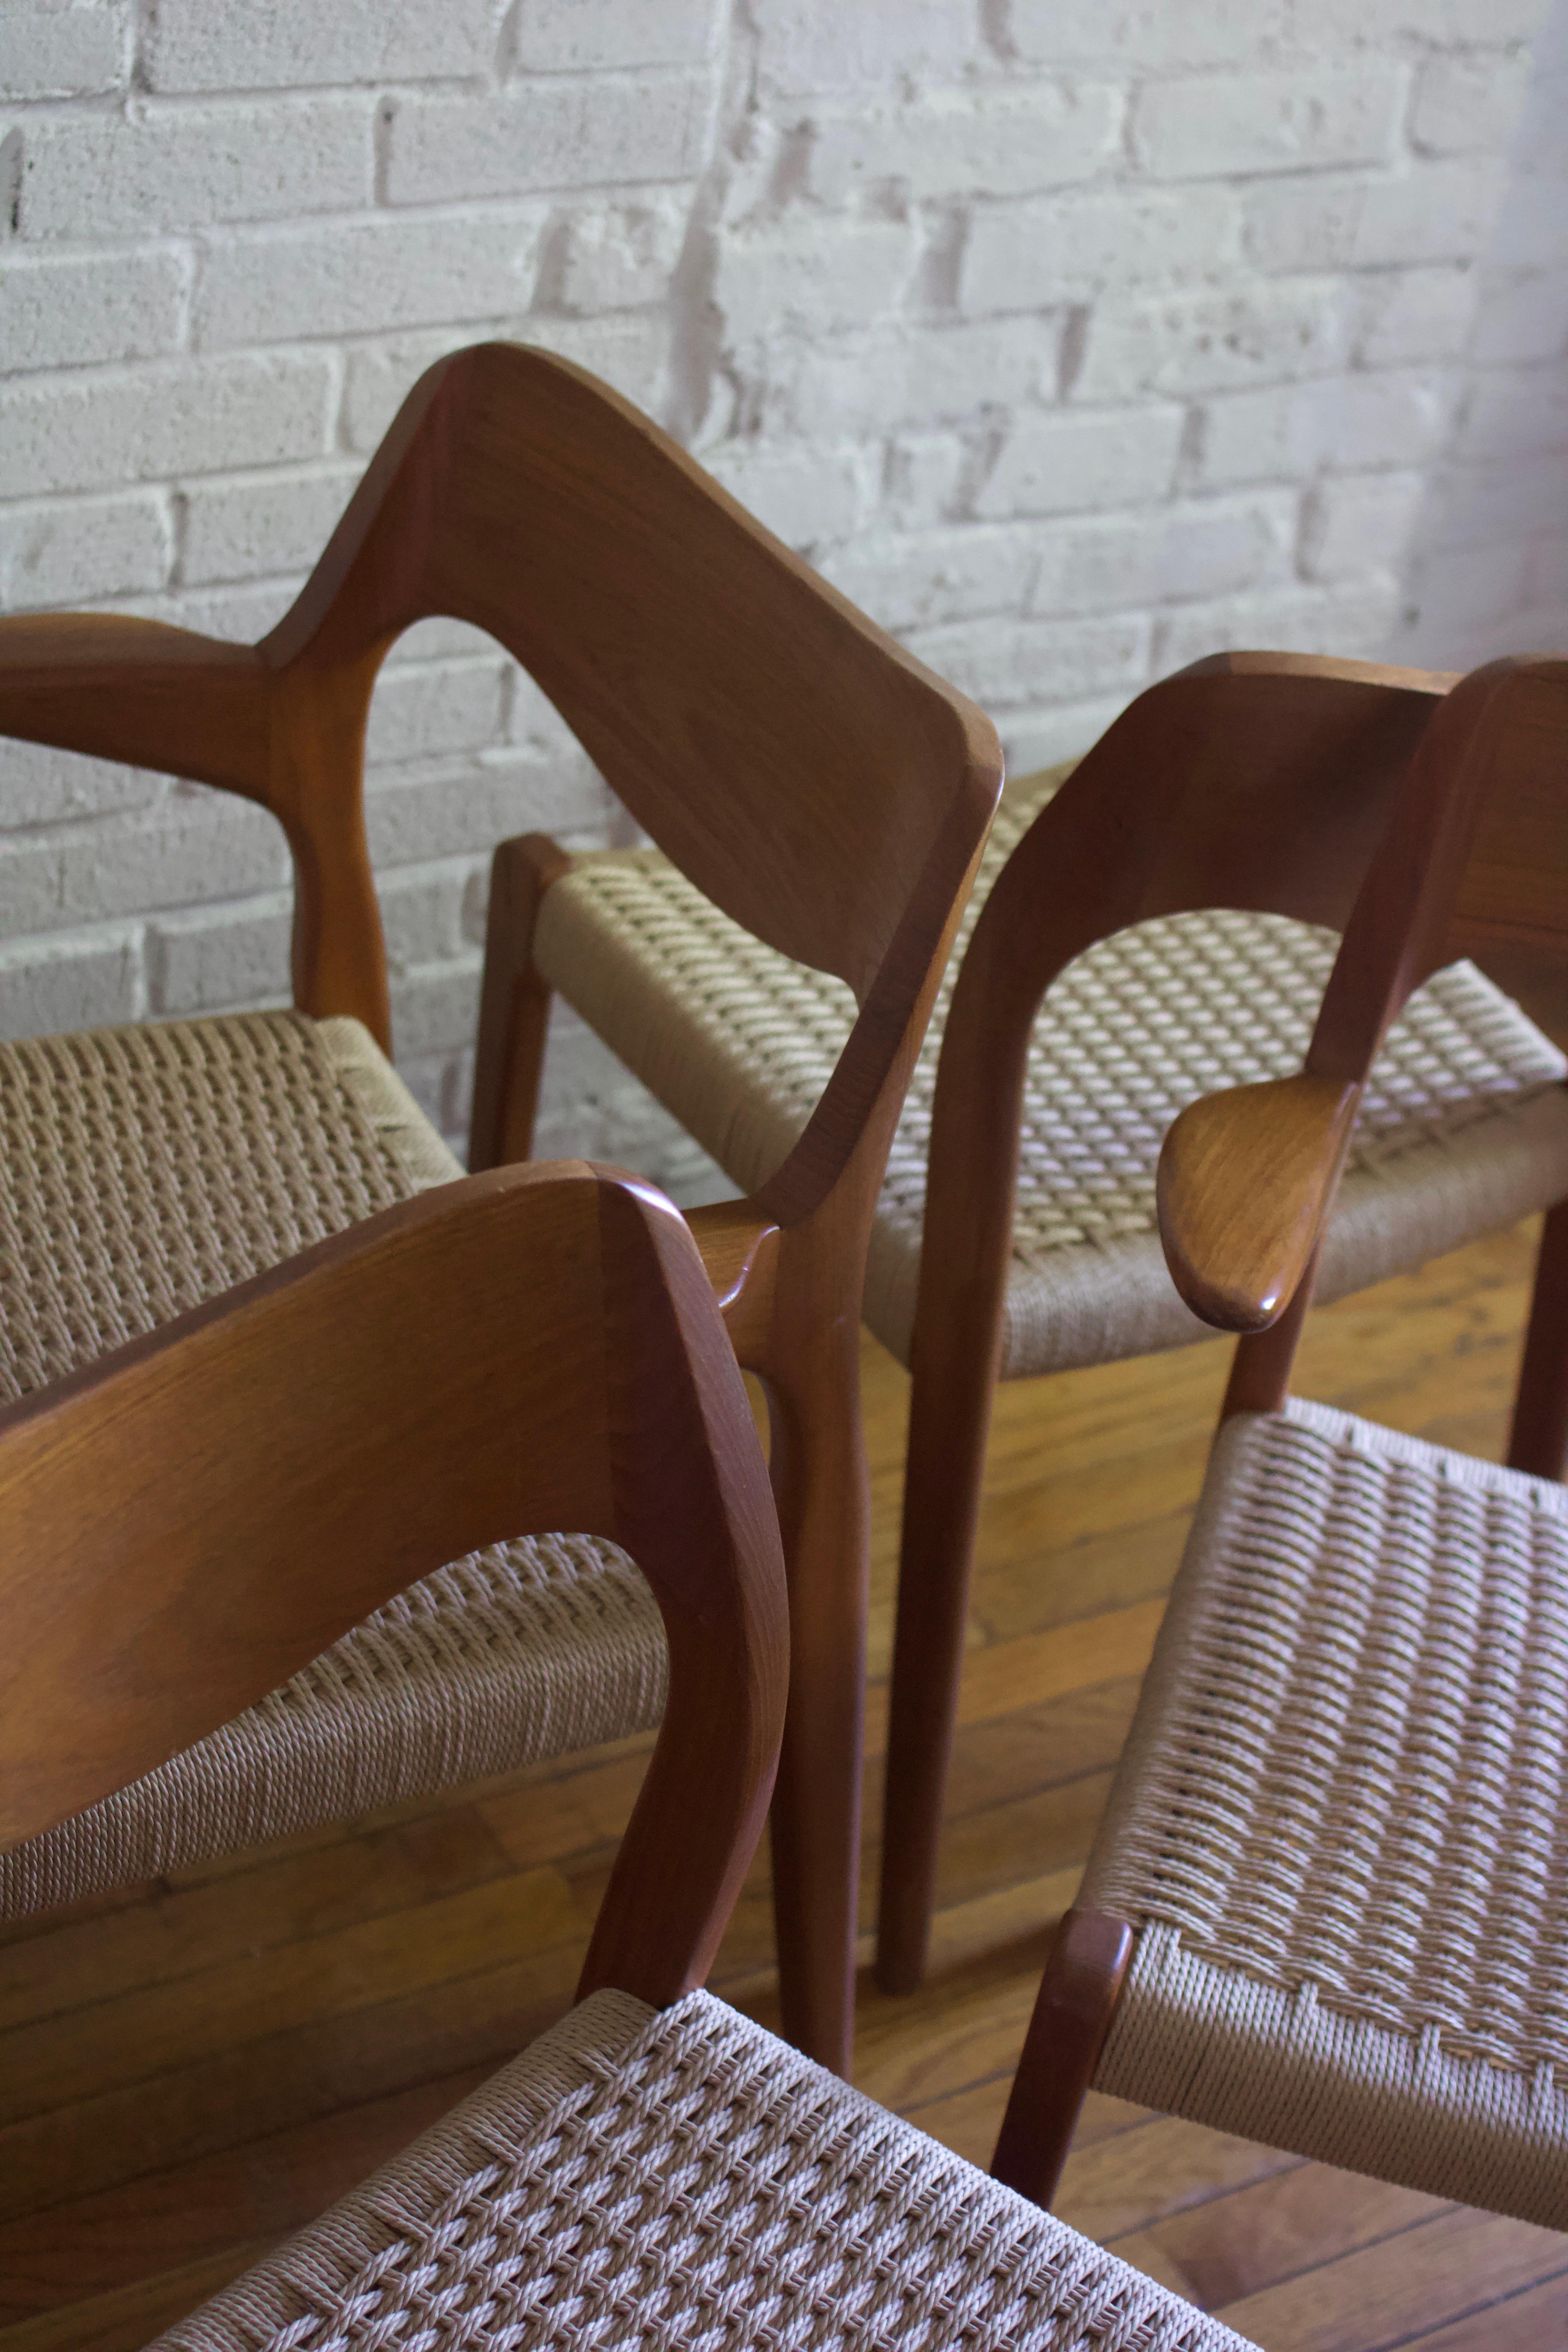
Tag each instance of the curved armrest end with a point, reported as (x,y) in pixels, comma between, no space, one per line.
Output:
(1246,1181)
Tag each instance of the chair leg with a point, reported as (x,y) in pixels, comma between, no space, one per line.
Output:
(1538,1441)
(514,1004)
(1073,2010)
(823,1491)
(949,1413)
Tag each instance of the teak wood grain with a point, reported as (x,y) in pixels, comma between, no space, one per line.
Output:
(1259,781)
(194,1518)
(812,778)
(1473,857)
(1474,862)
(269,2030)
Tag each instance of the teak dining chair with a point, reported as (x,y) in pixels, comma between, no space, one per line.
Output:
(1327,1906)
(813,781)
(264,1471)
(1158,904)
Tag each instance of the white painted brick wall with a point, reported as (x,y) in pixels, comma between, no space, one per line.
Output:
(1073,338)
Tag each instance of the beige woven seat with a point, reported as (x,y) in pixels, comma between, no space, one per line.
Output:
(1340,1825)
(148,1169)
(679,2178)
(1464,1128)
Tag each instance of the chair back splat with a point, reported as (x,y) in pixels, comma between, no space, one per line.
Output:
(196,1516)
(700,664)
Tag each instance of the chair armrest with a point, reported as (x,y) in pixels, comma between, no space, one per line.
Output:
(138,690)
(1246,1181)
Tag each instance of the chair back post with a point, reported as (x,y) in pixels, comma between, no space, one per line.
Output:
(193,1519)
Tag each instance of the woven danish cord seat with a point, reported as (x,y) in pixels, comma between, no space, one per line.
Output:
(679,2179)
(1340,1825)
(1464,1126)
(147,1169)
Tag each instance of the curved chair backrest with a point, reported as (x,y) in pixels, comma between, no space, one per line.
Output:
(814,780)
(191,1520)
(1473,859)
(1259,781)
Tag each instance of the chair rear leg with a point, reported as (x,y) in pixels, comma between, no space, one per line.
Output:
(1073,2010)
(1538,1441)
(822,1489)
(949,1413)
(514,1004)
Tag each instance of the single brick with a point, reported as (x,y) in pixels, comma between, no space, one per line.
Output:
(435,1008)
(997,142)
(1202,547)
(422,914)
(223,957)
(193,416)
(1212,340)
(1198,126)
(262,522)
(447,810)
(98,307)
(191,46)
(806,47)
(39,785)
(1062,464)
(1469,103)
(1147,35)
(1008,662)
(546,134)
(432,707)
(807,496)
(1023,257)
(911,580)
(365,278)
(585,36)
(615,256)
(175,167)
(69,553)
(64,52)
(1395,418)
(75,981)
(910,374)
(816,277)
(1399,315)
(1357,523)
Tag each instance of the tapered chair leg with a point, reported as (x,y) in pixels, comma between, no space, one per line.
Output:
(1073,2010)
(1538,1441)
(822,1489)
(950,1415)
(514,1004)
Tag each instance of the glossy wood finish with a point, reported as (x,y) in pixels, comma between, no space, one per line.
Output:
(1090,1957)
(192,2069)
(812,778)
(1252,781)
(196,1516)
(1475,859)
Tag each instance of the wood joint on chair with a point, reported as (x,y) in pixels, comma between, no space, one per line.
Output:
(1090,1957)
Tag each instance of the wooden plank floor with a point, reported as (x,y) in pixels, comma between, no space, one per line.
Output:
(190,2070)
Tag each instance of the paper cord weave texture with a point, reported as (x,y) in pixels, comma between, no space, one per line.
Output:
(679,2181)
(1341,1820)
(148,1169)
(740,1042)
